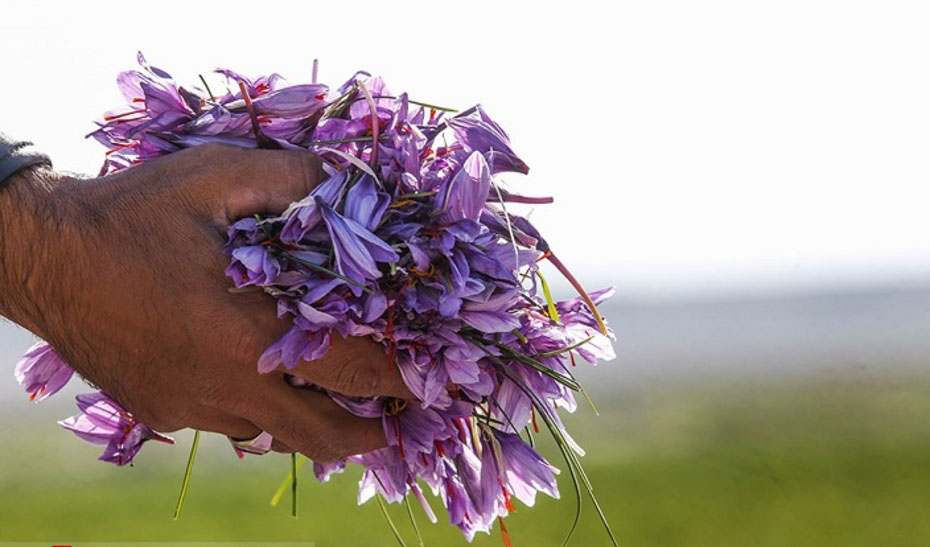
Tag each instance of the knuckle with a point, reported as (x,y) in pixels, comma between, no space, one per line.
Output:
(318,440)
(222,398)
(356,381)
(303,169)
(247,348)
(324,450)
(246,331)
(307,441)
(309,166)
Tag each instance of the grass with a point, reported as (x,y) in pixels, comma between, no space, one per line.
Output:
(803,461)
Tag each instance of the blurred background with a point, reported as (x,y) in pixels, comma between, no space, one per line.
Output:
(752,177)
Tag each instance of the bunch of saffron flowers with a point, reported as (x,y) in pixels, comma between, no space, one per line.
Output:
(408,242)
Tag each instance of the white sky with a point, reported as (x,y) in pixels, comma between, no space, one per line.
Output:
(690,145)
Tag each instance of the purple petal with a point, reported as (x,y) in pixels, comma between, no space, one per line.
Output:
(42,372)
(463,196)
(364,204)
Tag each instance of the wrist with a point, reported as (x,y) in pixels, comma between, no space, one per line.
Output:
(36,235)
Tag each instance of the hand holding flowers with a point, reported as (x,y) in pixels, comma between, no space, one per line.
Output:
(134,298)
(398,248)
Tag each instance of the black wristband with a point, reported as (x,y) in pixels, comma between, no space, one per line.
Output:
(16,156)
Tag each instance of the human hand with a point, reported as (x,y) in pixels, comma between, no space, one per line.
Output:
(123,275)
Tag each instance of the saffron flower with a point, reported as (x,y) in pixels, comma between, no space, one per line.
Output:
(104,422)
(42,372)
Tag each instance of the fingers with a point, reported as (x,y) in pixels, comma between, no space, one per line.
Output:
(278,446)
(354,366)
(357,367)
(311,423)
(214,420)
(266,181)
(224,423)
(227,183)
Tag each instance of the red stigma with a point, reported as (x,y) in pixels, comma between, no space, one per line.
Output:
(124,114)
(389,336)
(400,439)
(118,148)
(505,535)
(507,503)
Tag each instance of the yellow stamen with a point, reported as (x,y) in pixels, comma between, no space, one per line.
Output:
(400,203)
(395,406)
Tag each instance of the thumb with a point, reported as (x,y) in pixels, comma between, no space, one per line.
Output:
(355,366)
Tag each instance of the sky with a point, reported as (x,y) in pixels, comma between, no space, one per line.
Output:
(690,146)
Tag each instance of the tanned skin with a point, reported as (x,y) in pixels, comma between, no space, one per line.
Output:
(124,276)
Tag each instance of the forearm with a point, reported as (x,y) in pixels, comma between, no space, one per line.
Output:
(25,174)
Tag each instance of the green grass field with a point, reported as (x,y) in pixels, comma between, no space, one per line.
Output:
(804,461)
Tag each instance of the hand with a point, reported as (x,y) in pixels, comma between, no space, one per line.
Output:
(124,276)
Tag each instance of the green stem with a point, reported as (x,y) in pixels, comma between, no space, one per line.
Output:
(390,521)
(413,521)
(294,484)
(584,393)
(553,312)
(566,381)
(555,352)
(584,294)
(414,195)
(327,271)
(187,475)
(206,85)
(347,139)
(279,493)
(574,464)
(436,107)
